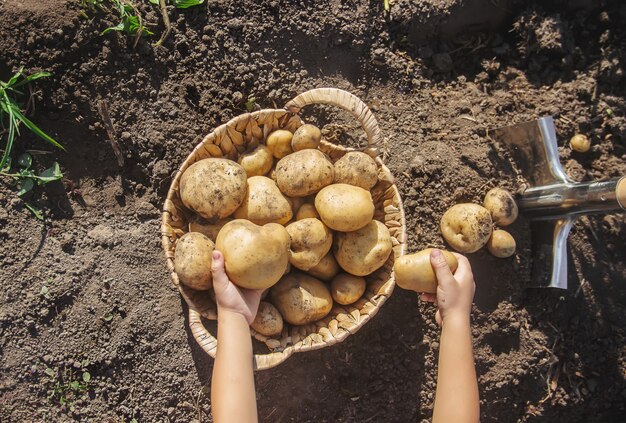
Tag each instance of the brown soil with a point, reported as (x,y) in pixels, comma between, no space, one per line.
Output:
(437,75)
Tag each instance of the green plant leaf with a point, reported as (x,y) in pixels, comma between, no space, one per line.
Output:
(7,166)
(86,376)
(108,317)
(250,104)
(133,420)
(25,186)
(53,173)
(75,385)
(25,160)
(30,78)
(85,362)
(49,371)
(44,290)
(118,27)
(154,1)
(34,210)
(184,4)
(35,129)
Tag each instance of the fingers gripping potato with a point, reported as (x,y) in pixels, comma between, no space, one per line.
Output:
(364,251)
(310,242)
(257,162)
(414,271)
(356,168)
(301,298)
(344,207)
(264,203)
(346,288)
(268,321)
(466,227)
(502,206)
(192,260)
(303,173)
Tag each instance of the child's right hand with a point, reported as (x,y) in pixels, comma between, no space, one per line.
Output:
(454,292)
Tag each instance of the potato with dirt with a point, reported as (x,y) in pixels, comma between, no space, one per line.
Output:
(363,251)
(311,240)
(257,162)
(210,229)
(501,205)
(268,321)
(344,207)
(580,143)
(415,273)
(307,210)
(346,288)
(303,173)
(326,269)
(192,260)
(501,244)
(255,257)
(306,136)
(466,227)
(279,143)
(213,188)
(358,169)
(264,203)
(301,298)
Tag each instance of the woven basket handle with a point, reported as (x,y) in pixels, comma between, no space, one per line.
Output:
(345,100)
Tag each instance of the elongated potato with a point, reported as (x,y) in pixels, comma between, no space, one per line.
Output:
(364,251)
(303,173)
(255,257)
(279,143)
(198,224)
(257,162)
(501,244)
(326,269)
(502,206)
(192,260)
(344,207)
(264,203)
(307,210)
(268,321)
(213,188)
(466,227)
(358,169)
(301,298)
(346,288)
(310,242)
(306,136)
(414,271)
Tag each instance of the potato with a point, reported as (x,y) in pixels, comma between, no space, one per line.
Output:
(306,136)
(306,211)
(268,321)
(501,205)
(466,227)
(213,188)
(192,260)
(358,169)
(363,251)
(580,143)
(326,269)
(346,288)
(264,203)
(310,242)
(198,224)
(301,298)
(296,203)
(414,271)
(344,207)
(279,143)
(255,257)
(501,244)
(257,162)
(303,173)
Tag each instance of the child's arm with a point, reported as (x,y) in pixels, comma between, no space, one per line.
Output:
(456,399)
(233,398)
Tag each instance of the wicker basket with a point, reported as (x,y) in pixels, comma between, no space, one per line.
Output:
(247,131)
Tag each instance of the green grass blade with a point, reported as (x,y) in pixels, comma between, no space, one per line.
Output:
(35,129)
(30,78)
(6,105)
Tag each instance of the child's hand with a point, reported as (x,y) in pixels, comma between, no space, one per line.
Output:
(229,297)
(454,292)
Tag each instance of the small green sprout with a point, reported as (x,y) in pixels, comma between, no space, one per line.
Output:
(130,20)
(250,104)
(181,4)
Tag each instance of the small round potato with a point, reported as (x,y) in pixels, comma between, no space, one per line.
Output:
(257,162)
(326,269)
(301,298)
(255,257)
(192,260)
(344,207)
(414,271)
(213,188)
(268,321)
(346,288)
(466,227)
(580,143)
(310,242)
(358,169)
(279,143)
(501,244)
(502,206)
(307,210)
(306,136)
(296,203)
(264,203)
(303,173)
(198,224)
(363,251)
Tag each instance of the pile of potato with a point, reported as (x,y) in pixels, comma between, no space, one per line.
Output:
(289,221)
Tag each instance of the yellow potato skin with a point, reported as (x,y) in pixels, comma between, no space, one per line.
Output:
(268,321)
(192,260)
(501,205)
(580,143)
(363,251)
(311,240)
(466,227)
(301,298)
(358,169)
(415,273)
(346,288)
(264,203)
(326,269)
(307,210)
(279,143)
(306,136)
(255,257)
(257,162)
(207,228)
(501,244)
(344,207)
(303,173)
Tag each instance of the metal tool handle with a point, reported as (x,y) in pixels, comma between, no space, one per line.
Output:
(572,199)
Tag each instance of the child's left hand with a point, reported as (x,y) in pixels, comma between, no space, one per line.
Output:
(229,297)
